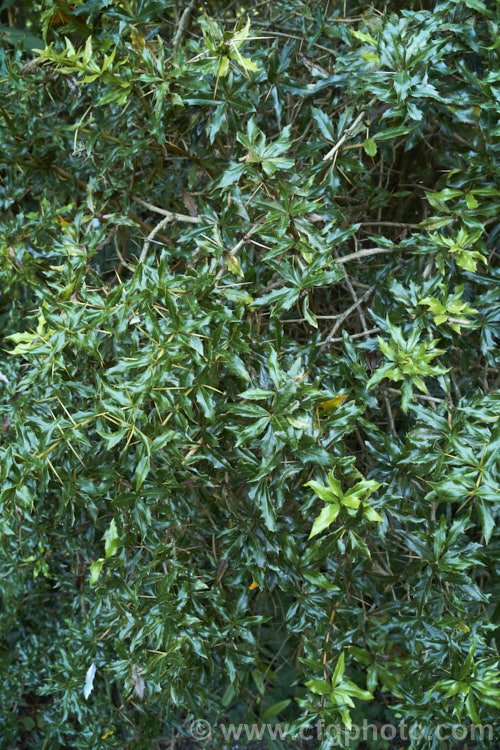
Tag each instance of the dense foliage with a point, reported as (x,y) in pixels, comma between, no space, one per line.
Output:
(249,381)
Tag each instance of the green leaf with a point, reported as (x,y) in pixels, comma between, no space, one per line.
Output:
(395,132)
(346,718)
(325,518)
(324,123)
(112,540)
(142,470)
(327,494)
(95,570)
(256,394)
(318,579)
(29,42)
(231,175)
(487,519)
(335,485)
(339,670)
(371,514)
(320,687)
(259,682)
(352,689)
(471,201)
(370,147)
(275,709)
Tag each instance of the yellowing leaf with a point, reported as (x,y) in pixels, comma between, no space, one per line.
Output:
(333,403)
(23,341)
(242,33)
(136,38)
(371,57)
(253,585)
(233,265)
(246,63)
(364,37)
(223,68)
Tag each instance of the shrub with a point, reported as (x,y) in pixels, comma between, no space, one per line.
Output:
(250,315)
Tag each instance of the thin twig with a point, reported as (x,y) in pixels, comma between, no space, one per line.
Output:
(355,335)
(353,294)
(364,253)
(350,129)
(339,143)
(286,35)
(346,314)
(169,215)
(122,260)
(389,224)
(358,302)
(318,317)
(389,414)
(151,236)
(182,26)
(422,396)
